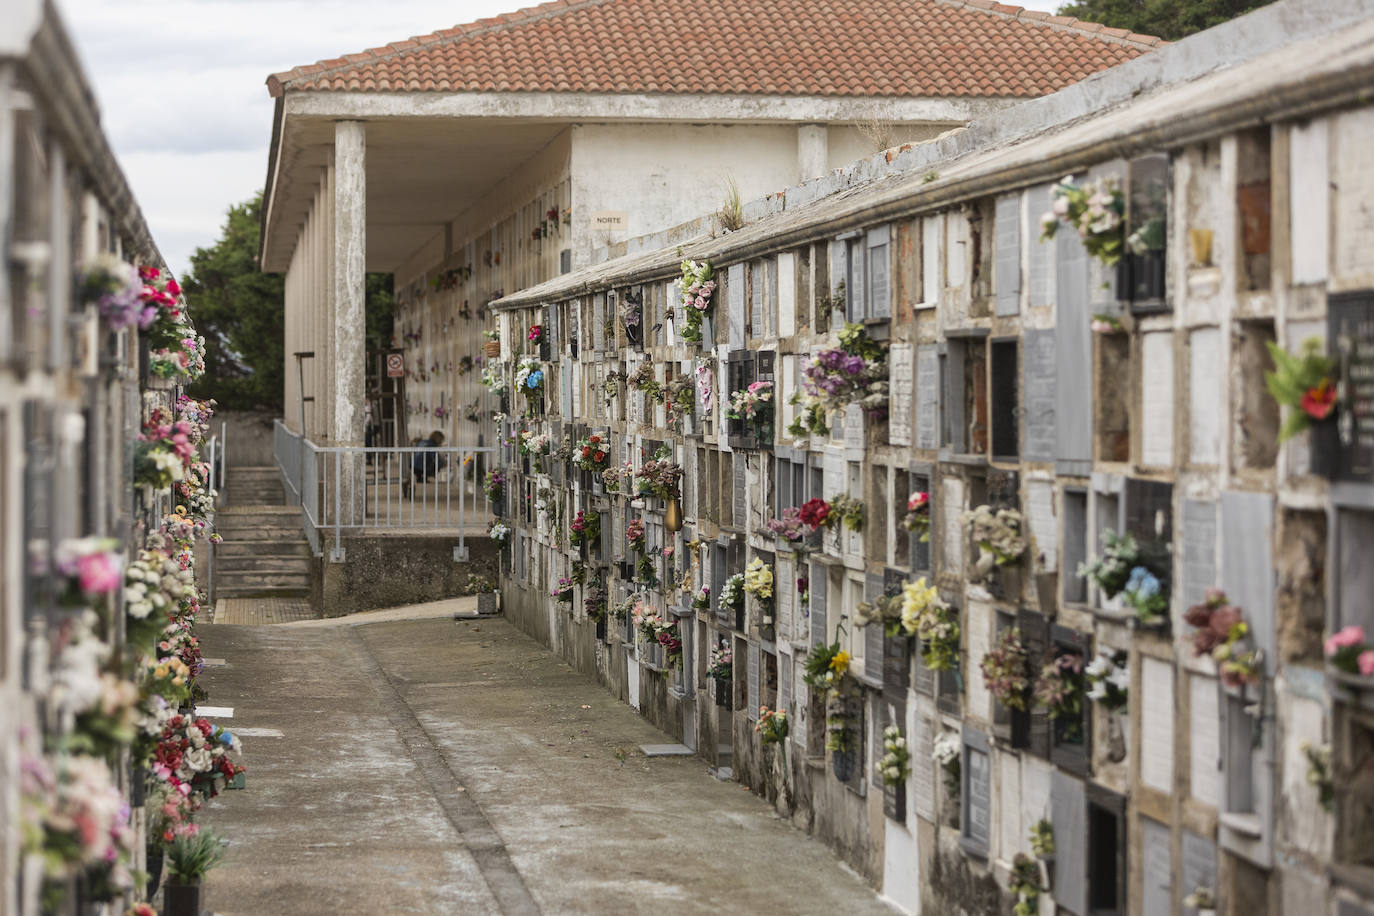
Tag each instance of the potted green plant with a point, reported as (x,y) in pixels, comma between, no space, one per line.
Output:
(189,858)
(485,589)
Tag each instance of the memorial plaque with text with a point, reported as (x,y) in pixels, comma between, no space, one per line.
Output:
(1037,349)
(978,808)
(923,768)
(1351,318)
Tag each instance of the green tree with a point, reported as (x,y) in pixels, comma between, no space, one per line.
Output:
(1168,19)
(241,312)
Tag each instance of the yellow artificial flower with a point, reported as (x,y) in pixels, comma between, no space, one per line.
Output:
(840,663)
(917,599)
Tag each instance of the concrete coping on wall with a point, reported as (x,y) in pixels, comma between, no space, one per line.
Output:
(1238,72)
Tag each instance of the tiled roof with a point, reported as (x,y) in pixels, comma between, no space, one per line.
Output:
(920,48)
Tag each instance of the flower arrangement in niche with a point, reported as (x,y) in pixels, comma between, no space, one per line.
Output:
(679,397)
(814,513)
(494,485)
(659,476)
(698,286)
(654,629)
(998,536)
(535,334)
(1347,650)
(493,378)
(563,590)
(1025,884)
(701,599)
(1109,680)
(532,443)
(613,477)
(634,535)
(1201,899)
(886,611)
(1319,771)
(947,752)
(1006,670)
(1059,691)
(758,581)
(825,666)
(1042,839)
(754,407)
(895,765)
(1222,633)
(1111,571)
(790,527)
(115,289)
(631,314)
(917,518)
(938,630)
(855,373)
(594,603)
(722,661)
(1304,384)
(706,382)
(643,379)
(528,376)
(732,593)
(841,509)
(498,531)
(1146,595)
(771,726)
(1095,210)
(592,454)
(585,528)
(645,573)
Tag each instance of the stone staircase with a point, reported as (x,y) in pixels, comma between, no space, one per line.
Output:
(265,552)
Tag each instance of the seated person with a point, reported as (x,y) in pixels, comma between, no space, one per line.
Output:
(425,465)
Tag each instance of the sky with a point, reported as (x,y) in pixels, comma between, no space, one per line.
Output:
(181,87)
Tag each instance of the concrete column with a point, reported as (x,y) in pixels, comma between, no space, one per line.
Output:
(350,267)
(813,151)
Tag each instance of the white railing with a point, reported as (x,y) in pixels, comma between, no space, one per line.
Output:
(342,489)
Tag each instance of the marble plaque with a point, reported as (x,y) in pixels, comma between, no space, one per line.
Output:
(923,768)
(927,397)
(1006,254)
(901,369)
(1158,889)
(1157,399)
(932,227)
(1204,740)
(1351,340)
(1039,372)
(978,805)
(1309,182)
(787,296)
(1199,532)
(1157,724)
(1354,219)
(1206,396)
(735,302)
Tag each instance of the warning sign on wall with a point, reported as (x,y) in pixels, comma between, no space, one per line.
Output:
(395,365)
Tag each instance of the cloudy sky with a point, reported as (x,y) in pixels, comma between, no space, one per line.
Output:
(181,88)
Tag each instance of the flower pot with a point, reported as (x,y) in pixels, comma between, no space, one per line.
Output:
(724,695)
(492,348)
(181,899)
(1004,582)
(486,603)
(154,865)
(843,764)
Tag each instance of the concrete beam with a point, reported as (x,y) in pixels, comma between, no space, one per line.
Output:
(660,107)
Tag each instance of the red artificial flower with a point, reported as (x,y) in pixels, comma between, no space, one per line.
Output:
(594,439)
(1318,402)
(814,512)
(148,273)
(600,456)
(173,287)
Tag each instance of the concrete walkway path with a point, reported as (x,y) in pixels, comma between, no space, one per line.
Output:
(446,766)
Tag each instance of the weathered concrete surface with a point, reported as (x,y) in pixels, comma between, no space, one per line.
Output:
(436,766)
(391,570)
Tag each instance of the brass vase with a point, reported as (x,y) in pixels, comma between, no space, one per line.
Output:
(672,516)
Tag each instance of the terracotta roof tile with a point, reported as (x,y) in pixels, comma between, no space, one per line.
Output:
(895,48)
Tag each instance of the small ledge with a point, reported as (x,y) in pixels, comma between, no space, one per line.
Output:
(1244,823)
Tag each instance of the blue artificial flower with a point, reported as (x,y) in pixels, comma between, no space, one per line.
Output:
(1142,583)
(535,378)
(226,738)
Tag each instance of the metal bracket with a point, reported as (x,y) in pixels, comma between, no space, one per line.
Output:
(336,554)
(460,554)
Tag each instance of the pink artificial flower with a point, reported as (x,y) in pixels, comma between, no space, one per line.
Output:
(667,551)
(1352,635)
(100,573)
(917,500)
(1366,662)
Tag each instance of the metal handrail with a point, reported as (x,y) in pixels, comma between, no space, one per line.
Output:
(397,488)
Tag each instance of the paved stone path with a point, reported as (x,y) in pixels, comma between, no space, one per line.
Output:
(262,610)
(457,767)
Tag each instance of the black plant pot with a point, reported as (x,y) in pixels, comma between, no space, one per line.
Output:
(601,628)
(843,762)
(154,869)
(181,899)
(724,695)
